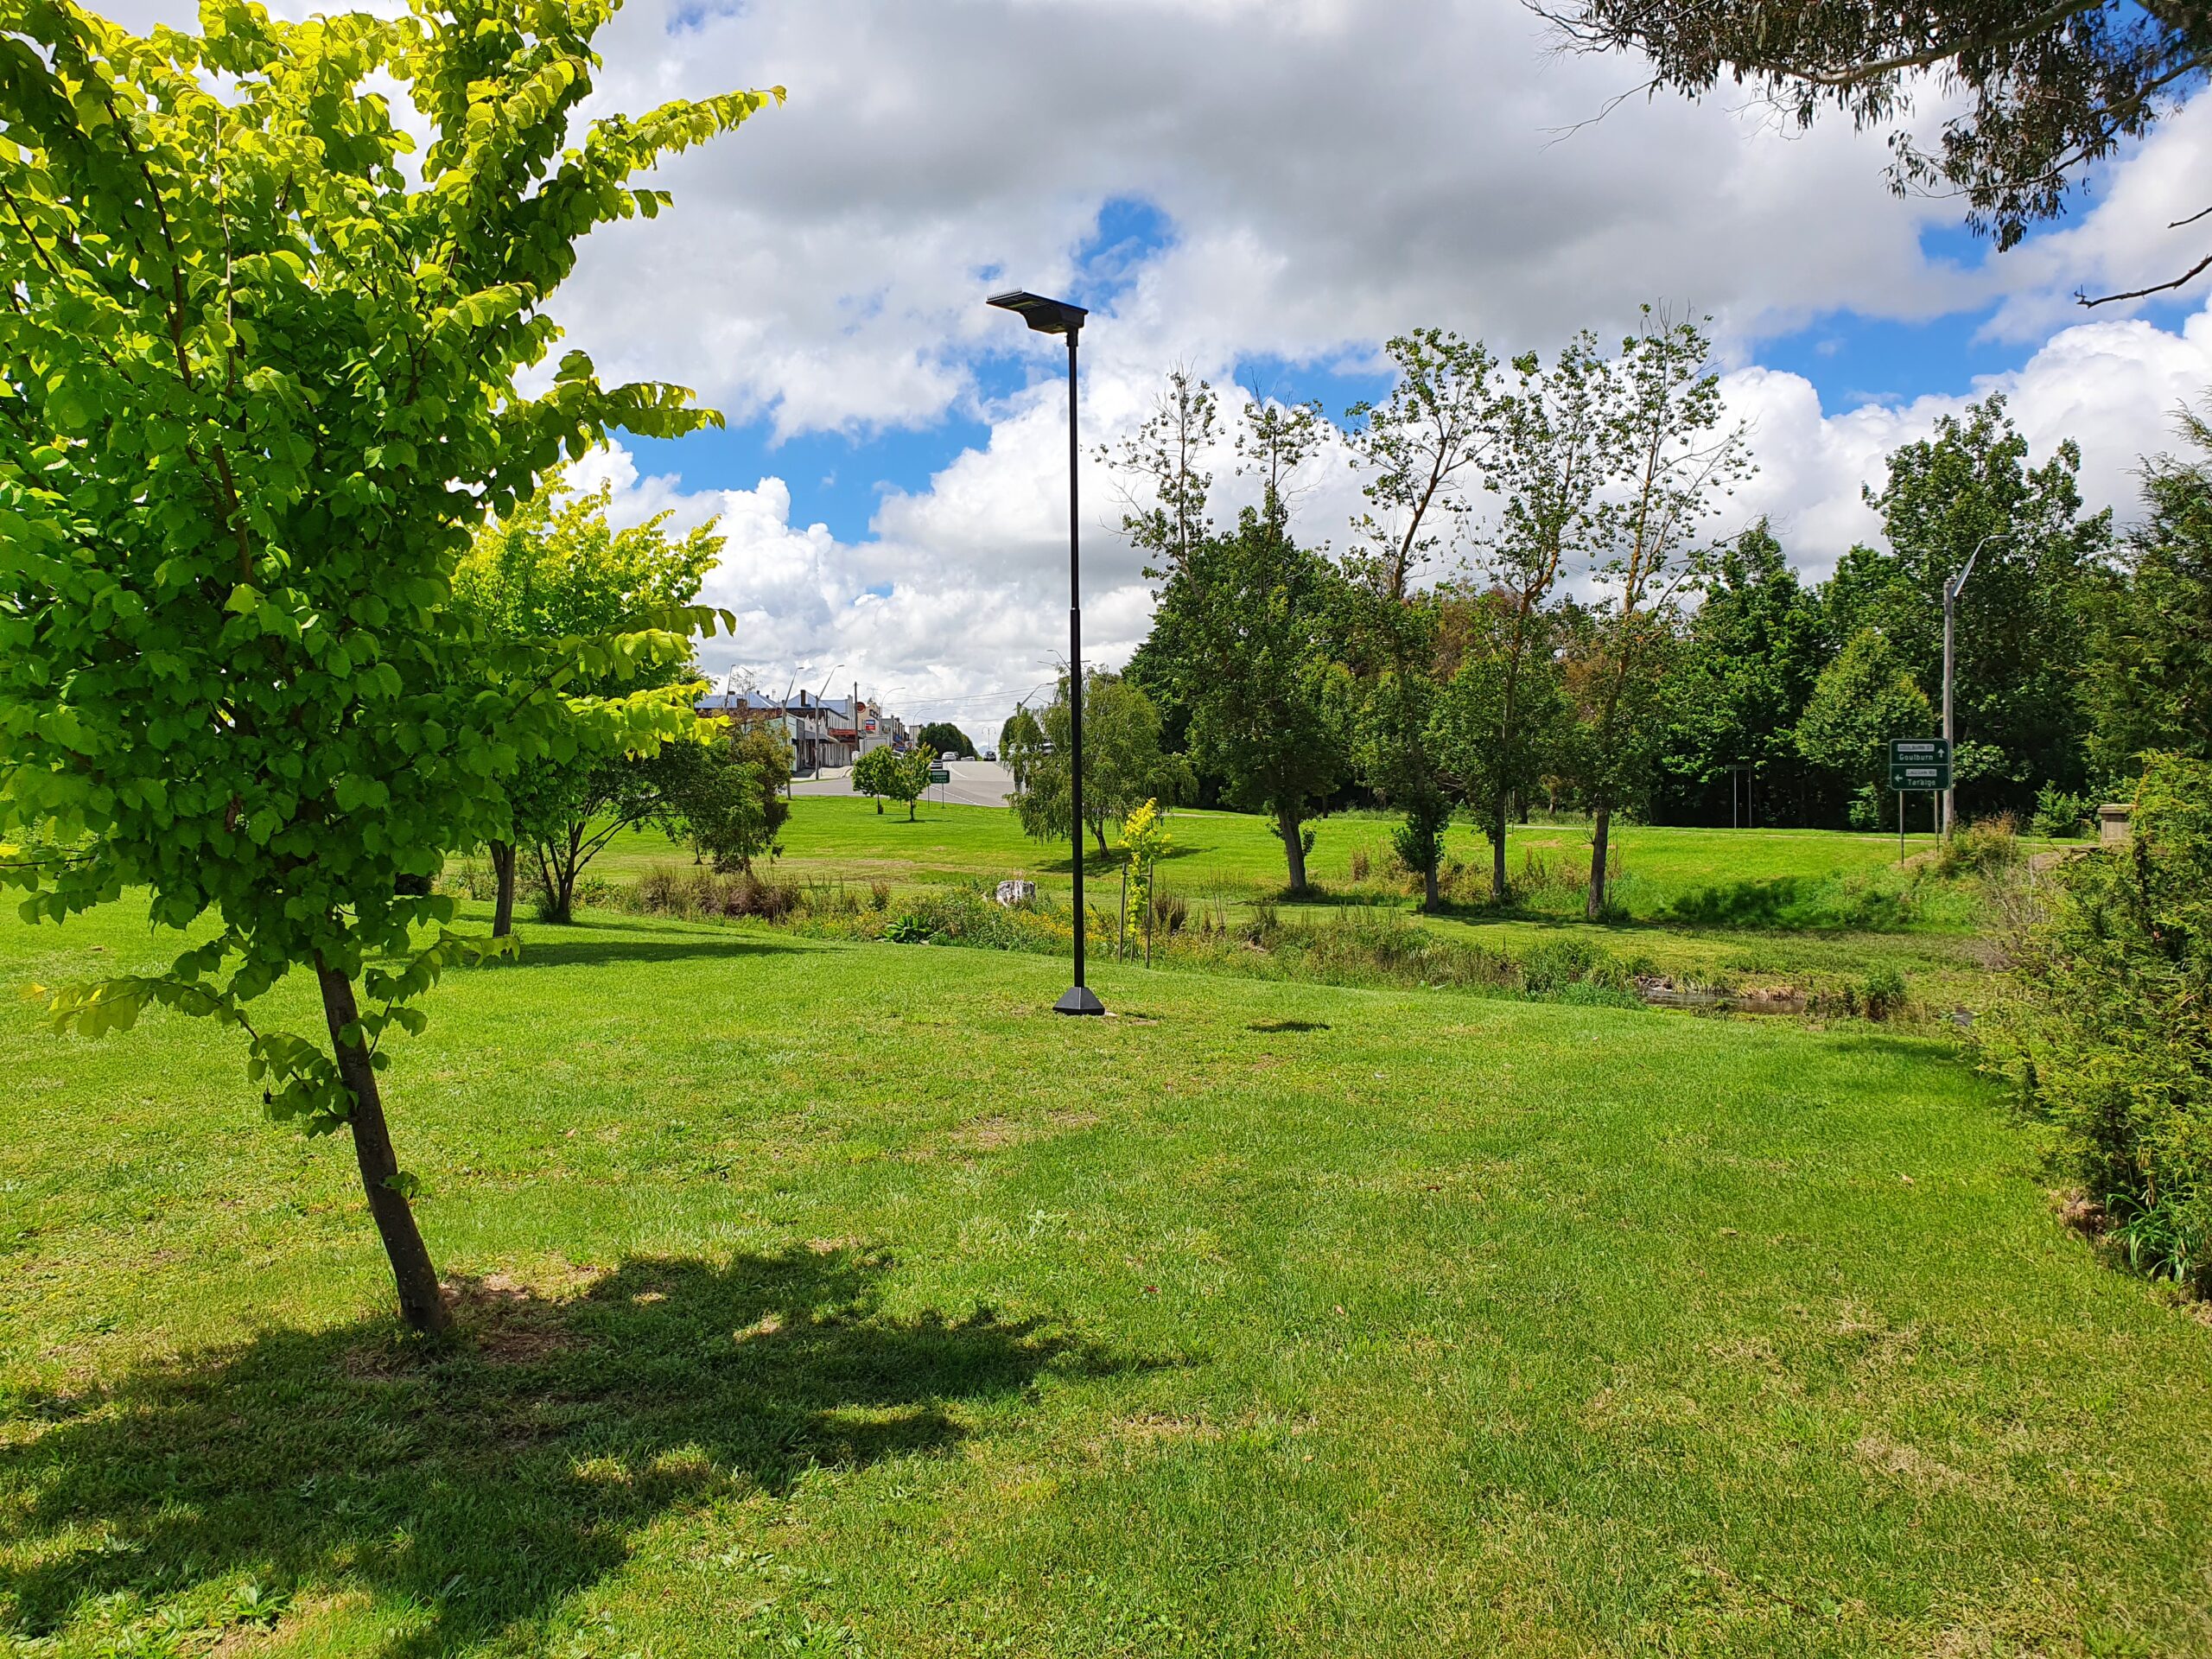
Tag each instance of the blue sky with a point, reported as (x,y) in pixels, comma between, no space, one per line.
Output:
(1265,192)
(838,478)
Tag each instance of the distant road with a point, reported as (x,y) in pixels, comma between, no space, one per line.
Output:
(974,783)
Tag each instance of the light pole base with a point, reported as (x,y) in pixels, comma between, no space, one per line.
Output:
(1078,999)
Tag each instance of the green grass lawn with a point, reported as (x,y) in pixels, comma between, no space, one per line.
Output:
(837,1298)
(1746,878)
(1747,907)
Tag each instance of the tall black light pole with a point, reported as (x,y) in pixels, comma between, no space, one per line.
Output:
(1059,317)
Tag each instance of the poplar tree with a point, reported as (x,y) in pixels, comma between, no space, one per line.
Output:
(1421,450)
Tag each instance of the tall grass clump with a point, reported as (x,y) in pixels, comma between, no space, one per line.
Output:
(693,891)
(2105,1031)
(1982,847)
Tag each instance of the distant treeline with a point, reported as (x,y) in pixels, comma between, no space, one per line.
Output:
(1545,605)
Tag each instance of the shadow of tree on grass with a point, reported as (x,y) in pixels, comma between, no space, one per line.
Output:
(540,952)
(484,1479)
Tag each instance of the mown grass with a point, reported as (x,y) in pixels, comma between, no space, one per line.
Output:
(1752,877)
(839,1298)
(1811,908)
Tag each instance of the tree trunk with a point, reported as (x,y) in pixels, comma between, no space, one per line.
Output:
(1430,897)
(1499,891)
(420,1304)
(503,907)
(1293,848)
(879,806)
(1601,825)
(1099,829)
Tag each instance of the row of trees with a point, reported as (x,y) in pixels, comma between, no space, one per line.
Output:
(1599,640)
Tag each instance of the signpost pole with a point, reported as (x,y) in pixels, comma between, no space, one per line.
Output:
(1900,826)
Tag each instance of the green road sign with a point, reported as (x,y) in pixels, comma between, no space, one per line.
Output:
(940,775)
(1920,763)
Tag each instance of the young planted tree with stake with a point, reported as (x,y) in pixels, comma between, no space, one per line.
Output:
(256,387)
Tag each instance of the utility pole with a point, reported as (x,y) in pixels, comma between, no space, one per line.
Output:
(1951,586)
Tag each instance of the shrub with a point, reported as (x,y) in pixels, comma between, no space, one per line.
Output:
(1882,993)
(1557,963)
(2059,815)
(2106,1034)
(1984,845)
(879,896)
(469,879)
(590,892)
(971,916)
(1865,812)
(1360,867)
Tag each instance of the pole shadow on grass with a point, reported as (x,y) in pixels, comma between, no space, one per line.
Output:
(487,1479)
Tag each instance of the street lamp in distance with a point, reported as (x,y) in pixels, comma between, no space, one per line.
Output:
(1059,317)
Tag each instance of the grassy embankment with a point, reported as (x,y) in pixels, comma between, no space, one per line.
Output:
(836,1299)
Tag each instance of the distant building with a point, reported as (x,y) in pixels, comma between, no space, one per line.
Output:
(819,731)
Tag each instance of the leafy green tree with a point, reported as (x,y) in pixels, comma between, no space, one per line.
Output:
(2037,95)
(566,814)
(1748,662)
(1165,517)
(1500,722)
(258,371)
(554,568)
(877,773)
(1546,467)
(943,737)
(1021,742)
(2150,664)
(1863,700)
(2020,700)
(1123,765)
(1420,451)
(1163,468)
(730,793)
(1393,748)
(1251,633)
(1673,460)
(886,774)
